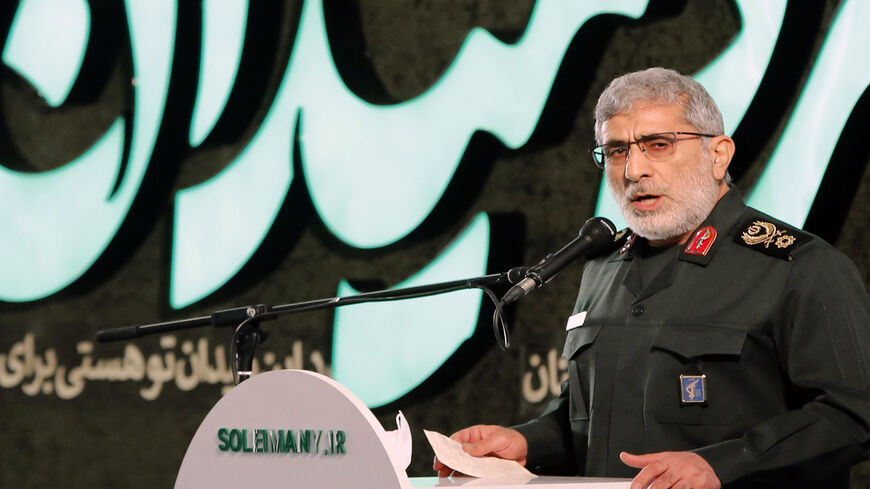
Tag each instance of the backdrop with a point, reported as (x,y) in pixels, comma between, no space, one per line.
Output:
(163,160)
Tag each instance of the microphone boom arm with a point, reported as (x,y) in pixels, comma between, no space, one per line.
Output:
(234,316)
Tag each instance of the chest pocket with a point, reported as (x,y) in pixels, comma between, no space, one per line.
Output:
(580,361)
(578,338)
(697,341)
(711,350)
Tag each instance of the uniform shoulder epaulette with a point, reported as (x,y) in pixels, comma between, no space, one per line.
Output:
(769,236)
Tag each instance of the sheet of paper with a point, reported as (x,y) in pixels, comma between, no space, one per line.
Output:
(398,443)
(451,454)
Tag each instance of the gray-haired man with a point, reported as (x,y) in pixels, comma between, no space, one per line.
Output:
(716,345)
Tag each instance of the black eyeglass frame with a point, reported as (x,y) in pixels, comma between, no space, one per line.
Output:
(598,151)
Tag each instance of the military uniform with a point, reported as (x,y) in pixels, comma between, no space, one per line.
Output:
(748,345)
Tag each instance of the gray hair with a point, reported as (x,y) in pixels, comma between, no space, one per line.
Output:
(659,85)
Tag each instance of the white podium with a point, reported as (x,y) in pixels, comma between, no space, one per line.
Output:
(295,428)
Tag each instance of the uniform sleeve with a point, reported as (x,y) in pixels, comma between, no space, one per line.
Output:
(549,439)
(822,338)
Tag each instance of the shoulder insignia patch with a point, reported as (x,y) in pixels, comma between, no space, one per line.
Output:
(769,238)
(629,242)
(618,241)
(702,242)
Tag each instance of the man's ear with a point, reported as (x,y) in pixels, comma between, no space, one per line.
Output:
(722,148)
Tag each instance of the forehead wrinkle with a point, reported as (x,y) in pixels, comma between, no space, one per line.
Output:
(642,105)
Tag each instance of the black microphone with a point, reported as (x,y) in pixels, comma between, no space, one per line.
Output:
(597,233)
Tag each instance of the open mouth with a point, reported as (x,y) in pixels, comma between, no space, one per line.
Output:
(646,202)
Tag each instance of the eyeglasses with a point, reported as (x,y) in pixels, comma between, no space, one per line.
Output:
(656,147)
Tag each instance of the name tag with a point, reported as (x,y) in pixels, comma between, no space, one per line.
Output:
(576,320)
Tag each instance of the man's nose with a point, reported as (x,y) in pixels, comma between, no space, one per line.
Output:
(637,165)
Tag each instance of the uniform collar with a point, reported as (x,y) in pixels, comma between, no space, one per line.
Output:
(704,241)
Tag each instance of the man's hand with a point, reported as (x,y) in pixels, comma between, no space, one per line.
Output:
(679,470)
(481,440)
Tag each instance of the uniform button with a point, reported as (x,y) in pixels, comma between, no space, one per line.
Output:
(638,310)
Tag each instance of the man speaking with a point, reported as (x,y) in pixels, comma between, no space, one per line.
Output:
(714,345)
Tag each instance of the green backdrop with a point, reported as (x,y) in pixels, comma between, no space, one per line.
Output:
(180,159)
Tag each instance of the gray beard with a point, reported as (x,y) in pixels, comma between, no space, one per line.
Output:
(677,217)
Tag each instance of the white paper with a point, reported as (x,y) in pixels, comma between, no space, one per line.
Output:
(398,443)
(451,454)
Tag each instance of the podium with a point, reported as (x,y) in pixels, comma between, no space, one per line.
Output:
(295,428)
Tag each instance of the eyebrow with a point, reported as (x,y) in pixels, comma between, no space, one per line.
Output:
(614,142)
(622,141)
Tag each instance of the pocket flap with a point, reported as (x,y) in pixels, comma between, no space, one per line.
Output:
(580,337)
(698,340)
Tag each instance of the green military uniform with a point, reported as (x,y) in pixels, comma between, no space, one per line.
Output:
(748,345)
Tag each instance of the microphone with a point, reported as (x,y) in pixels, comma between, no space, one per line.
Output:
(516,274)
(597,233)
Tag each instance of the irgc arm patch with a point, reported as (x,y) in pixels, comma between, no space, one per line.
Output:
(770,237)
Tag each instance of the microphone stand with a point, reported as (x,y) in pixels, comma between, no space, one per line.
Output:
(247,319)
